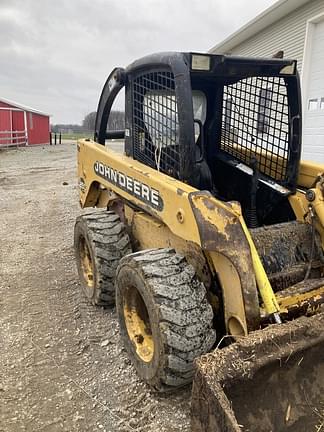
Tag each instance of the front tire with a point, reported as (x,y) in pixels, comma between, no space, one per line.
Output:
(100,241)
(164,316)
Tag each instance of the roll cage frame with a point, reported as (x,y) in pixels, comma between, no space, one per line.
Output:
(190,74)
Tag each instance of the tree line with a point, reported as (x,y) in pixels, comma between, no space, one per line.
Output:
(116,121)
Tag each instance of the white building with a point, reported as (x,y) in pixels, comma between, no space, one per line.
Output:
(295,27)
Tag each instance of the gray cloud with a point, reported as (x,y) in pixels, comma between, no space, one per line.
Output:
(56,55)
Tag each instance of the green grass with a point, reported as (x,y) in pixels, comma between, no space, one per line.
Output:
(81,135)
(76,136)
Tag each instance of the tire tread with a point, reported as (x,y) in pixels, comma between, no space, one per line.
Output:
(110,242)
(186,317)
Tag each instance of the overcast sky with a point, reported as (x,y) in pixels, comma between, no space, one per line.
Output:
(55,55)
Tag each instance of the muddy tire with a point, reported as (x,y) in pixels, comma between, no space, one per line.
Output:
(164,317)
(100,241)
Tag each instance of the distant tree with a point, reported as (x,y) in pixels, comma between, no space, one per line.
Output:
(89,121)
(116,121)
(66,128)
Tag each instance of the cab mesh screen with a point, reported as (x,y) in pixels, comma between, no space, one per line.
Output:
(155,122)
(255,124)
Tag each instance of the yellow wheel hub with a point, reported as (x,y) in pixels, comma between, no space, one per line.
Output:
(86,263)
(138,324)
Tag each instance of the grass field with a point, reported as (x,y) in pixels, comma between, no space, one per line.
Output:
(76,136)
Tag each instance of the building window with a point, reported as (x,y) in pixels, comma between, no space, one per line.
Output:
(31,121)
(322,103)
(263,121)
(312,104)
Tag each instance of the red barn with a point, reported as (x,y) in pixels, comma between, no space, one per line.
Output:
(21,125)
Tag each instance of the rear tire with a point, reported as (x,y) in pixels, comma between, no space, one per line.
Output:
(164,316)
(100,241)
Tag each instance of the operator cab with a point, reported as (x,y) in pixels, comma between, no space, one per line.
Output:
(228,125)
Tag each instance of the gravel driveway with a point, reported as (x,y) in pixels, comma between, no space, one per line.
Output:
(62,365)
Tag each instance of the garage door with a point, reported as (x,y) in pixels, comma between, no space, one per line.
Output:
(313,139)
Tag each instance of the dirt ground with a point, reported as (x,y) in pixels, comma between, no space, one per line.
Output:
(62,365)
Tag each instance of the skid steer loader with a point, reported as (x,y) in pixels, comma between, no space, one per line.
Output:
(209,231)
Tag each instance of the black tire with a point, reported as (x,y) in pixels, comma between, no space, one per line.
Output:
(159,297)
(100,241)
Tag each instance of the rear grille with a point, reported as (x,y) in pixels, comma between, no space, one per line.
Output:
(255,124)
